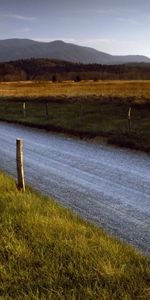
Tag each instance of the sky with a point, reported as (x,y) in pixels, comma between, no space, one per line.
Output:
(112,26)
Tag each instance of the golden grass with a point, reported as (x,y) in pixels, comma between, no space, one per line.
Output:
(118,88)
(47,252)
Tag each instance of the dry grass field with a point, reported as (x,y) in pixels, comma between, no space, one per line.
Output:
(114,88)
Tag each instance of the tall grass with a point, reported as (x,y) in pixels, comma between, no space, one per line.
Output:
(113,88)
(47,252)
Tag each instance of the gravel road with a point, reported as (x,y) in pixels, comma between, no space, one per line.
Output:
(106,185)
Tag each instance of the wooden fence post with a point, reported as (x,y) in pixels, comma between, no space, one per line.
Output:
(129,119)
(80,111)
(46,110)
(20,167)
(24,109)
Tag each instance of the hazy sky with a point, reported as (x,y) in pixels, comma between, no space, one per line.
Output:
(113,26)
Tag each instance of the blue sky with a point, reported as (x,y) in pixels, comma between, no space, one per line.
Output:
(113,26)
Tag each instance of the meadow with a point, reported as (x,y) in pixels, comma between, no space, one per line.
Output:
(85,117)
(139,89)
(48,252)
(86,109)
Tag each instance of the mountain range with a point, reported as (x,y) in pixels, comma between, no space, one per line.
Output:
(16,49)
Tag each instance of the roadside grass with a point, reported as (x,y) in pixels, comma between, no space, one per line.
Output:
(48,252)
(112,88)
(85,117)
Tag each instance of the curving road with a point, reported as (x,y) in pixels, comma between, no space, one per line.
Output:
(106,185)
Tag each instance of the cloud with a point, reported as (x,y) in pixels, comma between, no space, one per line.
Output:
(127,20)
(18,17)
(95,11)
(22,30)
(27,29)
(97,40)
(146,16)
(114,11)
(50,39)
(87,42)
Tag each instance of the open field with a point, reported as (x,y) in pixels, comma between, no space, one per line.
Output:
(47,252)
(84,118)
(84,108)
(139,89)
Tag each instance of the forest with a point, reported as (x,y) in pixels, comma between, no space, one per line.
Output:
(55,70)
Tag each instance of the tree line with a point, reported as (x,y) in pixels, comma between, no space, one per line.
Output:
(55,70)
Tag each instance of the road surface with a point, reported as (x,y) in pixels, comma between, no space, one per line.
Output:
(106,185)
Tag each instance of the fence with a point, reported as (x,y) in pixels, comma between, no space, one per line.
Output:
(121,121)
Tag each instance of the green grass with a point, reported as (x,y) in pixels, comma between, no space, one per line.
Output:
(87,117)
(47,252)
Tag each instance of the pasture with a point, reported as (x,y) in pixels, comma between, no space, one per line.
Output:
(110,88)
(86,109)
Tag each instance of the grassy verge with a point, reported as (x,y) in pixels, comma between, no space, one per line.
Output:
(85,117)
(47,252)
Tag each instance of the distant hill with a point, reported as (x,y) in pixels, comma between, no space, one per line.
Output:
(57,70)
(15,49)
